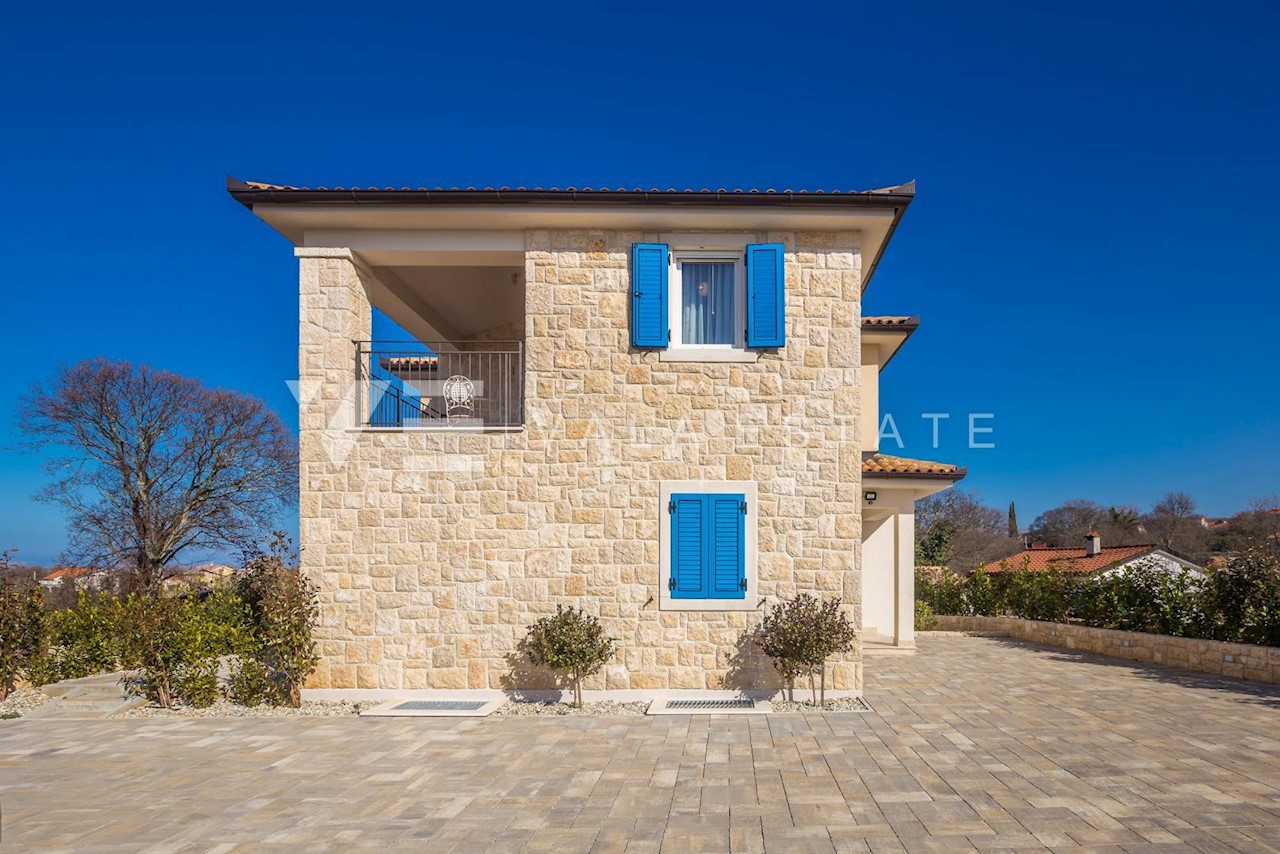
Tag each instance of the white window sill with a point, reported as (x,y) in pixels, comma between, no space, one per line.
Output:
(750,603)
(707,354)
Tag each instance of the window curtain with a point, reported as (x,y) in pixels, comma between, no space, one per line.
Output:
(708,302)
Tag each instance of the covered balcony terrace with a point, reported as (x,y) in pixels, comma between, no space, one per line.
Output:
(447,347)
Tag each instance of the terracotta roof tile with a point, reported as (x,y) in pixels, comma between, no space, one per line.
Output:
(1070,560)
(67,572)
(411,363)
(891,320)
(880,464)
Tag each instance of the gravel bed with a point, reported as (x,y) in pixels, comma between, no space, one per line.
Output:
(226,709)
(605,707)
(840,704)
(20,701)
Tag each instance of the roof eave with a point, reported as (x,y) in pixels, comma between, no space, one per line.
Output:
(905,330)
(898,198)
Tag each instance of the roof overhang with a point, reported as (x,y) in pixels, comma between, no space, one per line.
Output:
(915,479)
(298,213)
(912,486)
(889,338)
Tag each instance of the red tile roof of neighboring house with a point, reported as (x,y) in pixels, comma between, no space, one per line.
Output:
(67,572)
(411,363)
(902,321)
(1071,560)
(883,464)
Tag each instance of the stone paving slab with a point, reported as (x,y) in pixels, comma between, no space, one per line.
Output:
(974,744)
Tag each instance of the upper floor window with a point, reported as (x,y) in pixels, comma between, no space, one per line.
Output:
(707,300)
(716,305)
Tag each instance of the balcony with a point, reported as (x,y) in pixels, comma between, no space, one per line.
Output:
(440,385)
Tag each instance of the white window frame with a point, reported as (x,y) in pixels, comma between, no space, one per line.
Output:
(746,488)
(675,297)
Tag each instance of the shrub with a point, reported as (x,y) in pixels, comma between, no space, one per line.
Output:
(801,634)
(174,642)
(1096,603)
(83,639)
(943,592)
(283,608)
(1145,597)
(926,620)
(1037,594)
(1241,601)
(980,594)
(250,683)
(21,628)
(571,643)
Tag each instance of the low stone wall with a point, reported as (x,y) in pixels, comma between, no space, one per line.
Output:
(1240,660)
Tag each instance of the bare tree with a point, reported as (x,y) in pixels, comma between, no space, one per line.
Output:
(149,464)
(1266,504)
(1259,525)
(1174,521)
(1064,526)
(954,528)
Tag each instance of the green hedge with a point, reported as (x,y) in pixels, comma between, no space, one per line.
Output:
(1239,602)
(262,625)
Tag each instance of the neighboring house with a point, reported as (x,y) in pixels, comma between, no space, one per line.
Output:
(659,406)
(199,577)
(83,577)
(1095,558)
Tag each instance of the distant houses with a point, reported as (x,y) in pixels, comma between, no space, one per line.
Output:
(83,577)
(180,579)
(198,577)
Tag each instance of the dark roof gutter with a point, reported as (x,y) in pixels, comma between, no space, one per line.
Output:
(884,244)
(250,195)
(958,474)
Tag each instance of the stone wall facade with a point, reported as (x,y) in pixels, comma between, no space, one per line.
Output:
(1241,660)
(434,551)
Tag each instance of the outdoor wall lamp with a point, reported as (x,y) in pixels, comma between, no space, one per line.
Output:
(870,496)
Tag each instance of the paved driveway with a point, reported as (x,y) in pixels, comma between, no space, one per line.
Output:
(974,743)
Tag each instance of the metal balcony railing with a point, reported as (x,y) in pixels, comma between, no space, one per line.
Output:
(440,384)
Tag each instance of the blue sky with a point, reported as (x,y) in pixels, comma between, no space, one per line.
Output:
(1092,250)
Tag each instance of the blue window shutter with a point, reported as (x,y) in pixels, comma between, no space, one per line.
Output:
(728,557)
(766,296)
(649,317)
(688,546)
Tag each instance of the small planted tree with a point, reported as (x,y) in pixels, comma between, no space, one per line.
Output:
(21,628)
(801,634)
(284,609)
(570,643)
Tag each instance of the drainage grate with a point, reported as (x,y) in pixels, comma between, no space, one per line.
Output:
(438,706)
(703,705)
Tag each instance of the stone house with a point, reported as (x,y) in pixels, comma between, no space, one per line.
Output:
(660,406)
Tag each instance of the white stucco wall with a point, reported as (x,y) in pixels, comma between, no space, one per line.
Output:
(878,576)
